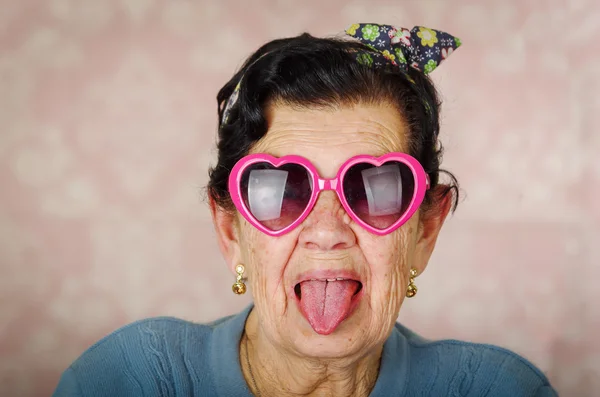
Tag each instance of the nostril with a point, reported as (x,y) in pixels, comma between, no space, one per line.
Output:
(342,245)
(327,245)
(325,237)
(311,246)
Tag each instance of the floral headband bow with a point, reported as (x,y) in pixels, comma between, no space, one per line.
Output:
(421,48)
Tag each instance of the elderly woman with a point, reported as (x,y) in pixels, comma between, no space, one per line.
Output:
(327,203)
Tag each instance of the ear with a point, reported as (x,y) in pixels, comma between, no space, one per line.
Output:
(227,230)
(430,224)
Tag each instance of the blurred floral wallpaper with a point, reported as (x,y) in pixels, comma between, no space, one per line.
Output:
(107,127)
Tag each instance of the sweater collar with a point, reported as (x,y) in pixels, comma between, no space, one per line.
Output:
(229,379)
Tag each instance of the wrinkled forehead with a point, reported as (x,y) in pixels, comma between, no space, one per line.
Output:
(328,137)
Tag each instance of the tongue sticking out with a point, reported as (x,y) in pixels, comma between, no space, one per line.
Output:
(325,304)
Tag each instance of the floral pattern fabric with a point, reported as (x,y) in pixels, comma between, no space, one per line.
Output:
(421,48)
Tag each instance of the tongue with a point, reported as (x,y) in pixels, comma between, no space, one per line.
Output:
(325,304)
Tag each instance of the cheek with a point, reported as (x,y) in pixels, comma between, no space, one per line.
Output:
(388,252)
(389,258)
(266,261)
(264,258)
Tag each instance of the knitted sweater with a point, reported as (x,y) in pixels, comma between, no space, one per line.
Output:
(171,357)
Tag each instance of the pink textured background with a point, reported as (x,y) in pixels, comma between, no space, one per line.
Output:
(107,121)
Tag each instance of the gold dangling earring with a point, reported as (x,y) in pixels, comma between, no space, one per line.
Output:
(412,288)
(239,287)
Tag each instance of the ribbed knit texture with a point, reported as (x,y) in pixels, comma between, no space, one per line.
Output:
(167,357)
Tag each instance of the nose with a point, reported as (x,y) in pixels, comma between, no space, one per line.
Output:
(327,226)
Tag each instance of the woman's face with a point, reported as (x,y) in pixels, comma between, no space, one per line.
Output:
(328,242)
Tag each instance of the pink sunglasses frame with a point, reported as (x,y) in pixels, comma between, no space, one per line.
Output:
(335,184)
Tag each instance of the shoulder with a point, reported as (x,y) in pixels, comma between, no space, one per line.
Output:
(143,339)
(142,358)
(473,368)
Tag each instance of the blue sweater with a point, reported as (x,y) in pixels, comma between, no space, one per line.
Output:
(170,357)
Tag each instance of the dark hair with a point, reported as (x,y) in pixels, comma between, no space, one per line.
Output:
(309,72)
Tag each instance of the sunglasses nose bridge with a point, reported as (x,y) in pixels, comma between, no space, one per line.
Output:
(327,184)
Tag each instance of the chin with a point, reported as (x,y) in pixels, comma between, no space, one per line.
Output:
(339,343)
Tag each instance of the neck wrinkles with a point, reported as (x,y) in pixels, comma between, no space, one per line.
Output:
(276,372)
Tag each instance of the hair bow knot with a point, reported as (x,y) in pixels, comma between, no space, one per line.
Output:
(421,48)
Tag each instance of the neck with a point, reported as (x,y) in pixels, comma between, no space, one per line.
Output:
(274,372)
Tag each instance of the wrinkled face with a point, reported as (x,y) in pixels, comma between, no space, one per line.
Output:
(328,243)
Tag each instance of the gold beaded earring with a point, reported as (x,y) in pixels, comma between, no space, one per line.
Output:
(412,288)
(239,287)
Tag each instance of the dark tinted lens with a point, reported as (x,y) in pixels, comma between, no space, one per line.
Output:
(276,197)
(379,195)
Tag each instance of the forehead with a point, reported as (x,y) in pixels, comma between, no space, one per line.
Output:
(332,135)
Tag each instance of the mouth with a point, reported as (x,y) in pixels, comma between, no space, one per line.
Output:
(326,300)
(298,289)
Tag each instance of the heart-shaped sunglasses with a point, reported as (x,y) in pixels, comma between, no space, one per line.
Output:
(276,194)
